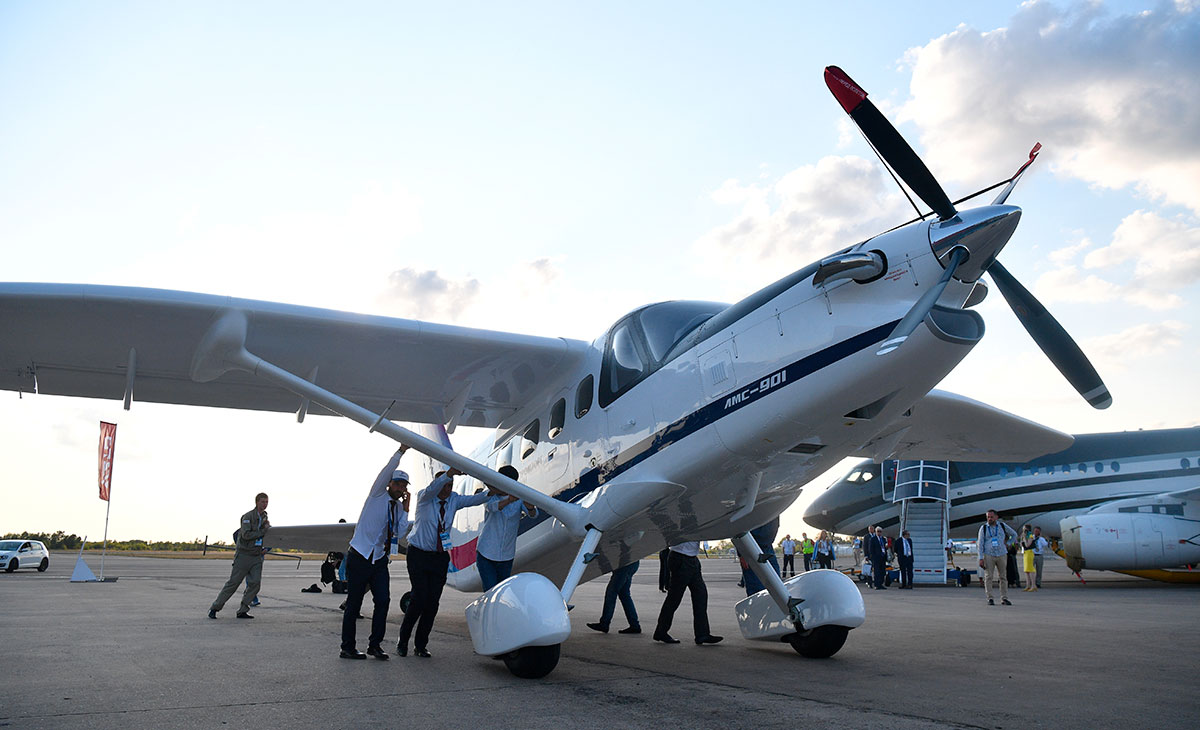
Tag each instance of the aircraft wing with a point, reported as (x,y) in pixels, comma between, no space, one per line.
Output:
(64,339)
(311,538)
(946,426)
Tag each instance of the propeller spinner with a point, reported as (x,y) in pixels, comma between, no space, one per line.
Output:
(965,243)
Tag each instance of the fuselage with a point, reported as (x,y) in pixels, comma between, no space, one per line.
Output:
(694,421)
(1097,468)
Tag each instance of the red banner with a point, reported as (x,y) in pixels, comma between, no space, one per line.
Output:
(108,445)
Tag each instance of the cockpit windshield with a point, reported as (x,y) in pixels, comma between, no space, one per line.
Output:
(667,323)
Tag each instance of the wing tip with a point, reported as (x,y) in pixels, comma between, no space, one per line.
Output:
(847,93)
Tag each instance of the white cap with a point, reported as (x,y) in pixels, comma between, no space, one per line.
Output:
(399,475)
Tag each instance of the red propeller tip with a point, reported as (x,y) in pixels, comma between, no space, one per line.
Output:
(848,93)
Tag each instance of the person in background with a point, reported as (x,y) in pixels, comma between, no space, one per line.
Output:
(807,546)
(247,559)
(1039,553)
(824,550)
(788,546)
(992,547)
(858,552)
(1027,558)
(904,556)
(877,548)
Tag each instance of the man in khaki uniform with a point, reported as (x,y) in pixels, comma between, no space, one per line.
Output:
(248,560)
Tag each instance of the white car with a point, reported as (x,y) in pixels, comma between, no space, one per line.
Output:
(23,554)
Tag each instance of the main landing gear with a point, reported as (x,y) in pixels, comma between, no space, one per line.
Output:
(813,611)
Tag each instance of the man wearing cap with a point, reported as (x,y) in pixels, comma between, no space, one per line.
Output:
(247,560)
(497,546)
(429,556)
(384,519)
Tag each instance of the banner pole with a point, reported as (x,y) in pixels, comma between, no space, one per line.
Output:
(104,550)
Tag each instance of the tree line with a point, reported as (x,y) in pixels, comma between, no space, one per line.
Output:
(62,541)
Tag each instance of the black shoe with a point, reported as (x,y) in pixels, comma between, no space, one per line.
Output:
(376,652)
(212,614)
(631,630)
(598,627)
(665,638)
(1005,602)
(401,649)
(991,602)
(244,614)
(352,654)
(422,652)
(710,639)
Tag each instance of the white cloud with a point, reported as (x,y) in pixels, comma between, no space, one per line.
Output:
(1115,100)
(804,215)
(1114,353)
(427,295)
(1166,260)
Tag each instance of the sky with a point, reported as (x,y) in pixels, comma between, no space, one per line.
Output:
(544,168)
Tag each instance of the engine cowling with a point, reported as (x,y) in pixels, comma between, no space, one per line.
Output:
(1129,541)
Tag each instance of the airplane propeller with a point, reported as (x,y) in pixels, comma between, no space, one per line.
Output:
(896,153)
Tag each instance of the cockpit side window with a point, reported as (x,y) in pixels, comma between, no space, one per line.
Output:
(625,363)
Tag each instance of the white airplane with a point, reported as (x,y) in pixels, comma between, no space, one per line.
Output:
(684,421)
(1128,501)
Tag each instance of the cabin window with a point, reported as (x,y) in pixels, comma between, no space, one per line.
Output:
(1115,466)
(1066,468)
(868,476)
(583,396)
(1184,463)
(530,440)
(1004,471)
(1082,468)
(854,475)
(1020,471)
(1099,467)
(558,417)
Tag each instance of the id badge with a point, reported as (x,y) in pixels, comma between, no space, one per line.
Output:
(995,542)
(258,542)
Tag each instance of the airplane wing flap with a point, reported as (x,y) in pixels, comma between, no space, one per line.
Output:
(76,340)
(949,427)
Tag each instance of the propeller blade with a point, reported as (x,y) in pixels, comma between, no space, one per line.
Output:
(1052,338)
(887,142)
(916,315)
(1012,181)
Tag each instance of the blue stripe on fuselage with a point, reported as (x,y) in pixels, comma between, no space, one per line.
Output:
(710,414)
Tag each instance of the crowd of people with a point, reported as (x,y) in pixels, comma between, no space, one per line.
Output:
(384,521)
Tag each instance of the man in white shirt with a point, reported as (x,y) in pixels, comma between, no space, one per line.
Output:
(683,571)
(429,557)
(1039,553)
(789,556)
(384,519)
(497,546)
(904,556)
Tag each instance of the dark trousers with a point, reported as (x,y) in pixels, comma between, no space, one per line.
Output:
(491,571)
(807,562)
(878,570)
(789,565)
(906,570)
(684,575)
(618,588)
(361,574)
(427,573)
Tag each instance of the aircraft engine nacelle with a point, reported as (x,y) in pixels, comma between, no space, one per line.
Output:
(1128,541)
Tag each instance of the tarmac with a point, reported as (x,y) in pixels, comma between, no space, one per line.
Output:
(141,653)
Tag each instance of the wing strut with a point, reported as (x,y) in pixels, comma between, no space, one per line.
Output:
(223,348)
(754,557)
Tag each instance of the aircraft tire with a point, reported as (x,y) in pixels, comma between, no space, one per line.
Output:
(43,565)
(819,643)
(532,662)
(12,565)
(405,601)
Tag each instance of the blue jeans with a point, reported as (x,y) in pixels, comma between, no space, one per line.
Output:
(618,587)
(491,571)
(753,584)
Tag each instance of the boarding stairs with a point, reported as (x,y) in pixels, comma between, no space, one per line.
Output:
(921,489)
